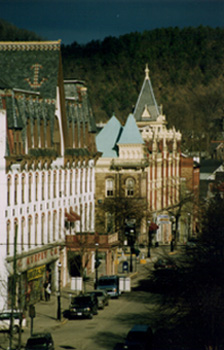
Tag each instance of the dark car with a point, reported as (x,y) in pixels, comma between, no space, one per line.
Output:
(102,298)
(139,338)
(40,341)
(164,264)
(84,305)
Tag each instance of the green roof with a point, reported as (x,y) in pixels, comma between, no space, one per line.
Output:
(130,133)
(106,140)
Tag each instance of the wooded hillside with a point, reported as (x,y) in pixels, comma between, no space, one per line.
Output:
(186,70)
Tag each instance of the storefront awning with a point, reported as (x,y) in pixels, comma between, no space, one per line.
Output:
(75,215)
(72,216)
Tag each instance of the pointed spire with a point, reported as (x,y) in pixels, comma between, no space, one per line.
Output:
(146,71)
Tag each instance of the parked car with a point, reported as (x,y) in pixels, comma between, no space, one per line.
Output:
(5,320)
(102,298)
(40,341)
(84,305)
(164,264)
(139,338)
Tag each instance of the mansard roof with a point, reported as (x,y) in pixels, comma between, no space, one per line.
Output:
(78,107)
(146,108)
(31,66)
(30,76)
(130,133)
(106,140)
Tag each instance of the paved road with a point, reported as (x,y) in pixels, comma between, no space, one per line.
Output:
(106,329)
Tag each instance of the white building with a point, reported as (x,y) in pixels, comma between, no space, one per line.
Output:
(47,160)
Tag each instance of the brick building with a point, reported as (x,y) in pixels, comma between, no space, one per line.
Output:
(145,156)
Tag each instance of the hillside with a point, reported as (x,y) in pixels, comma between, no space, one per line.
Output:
(9,32)
(186,69)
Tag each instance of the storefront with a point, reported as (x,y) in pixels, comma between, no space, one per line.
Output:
(33,272)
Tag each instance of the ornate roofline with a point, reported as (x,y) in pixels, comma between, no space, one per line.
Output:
(30,45)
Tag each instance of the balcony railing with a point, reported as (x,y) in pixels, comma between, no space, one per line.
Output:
(89,239)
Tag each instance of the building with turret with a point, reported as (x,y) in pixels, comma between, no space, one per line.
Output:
(141,160)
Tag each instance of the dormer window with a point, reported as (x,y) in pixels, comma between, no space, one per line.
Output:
(146,113)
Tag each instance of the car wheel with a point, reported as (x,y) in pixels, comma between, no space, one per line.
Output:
(90,316)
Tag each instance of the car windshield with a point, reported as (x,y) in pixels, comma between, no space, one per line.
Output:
(136,336)
(99,294)
(81,300)
(36,342)
(107,282)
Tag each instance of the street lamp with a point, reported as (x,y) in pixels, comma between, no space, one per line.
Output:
(96,265)
(149,239)
(59,292)
(131,246)
(173,235)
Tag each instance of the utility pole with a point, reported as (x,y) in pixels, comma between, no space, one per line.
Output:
(13,290)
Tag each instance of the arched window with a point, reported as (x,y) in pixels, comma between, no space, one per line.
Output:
(36,186)
(54,224)
(109,187)
(70,182)
(60,223)
(36,229)
(8,237)
(59,183)
(54,183)
(29,230)
(16,189)
(23,189)
(49,184)
(42,186)
(22,232)
(42,227)
(9,185)
(49,227)
(30,188)
(65,183)
(130,186)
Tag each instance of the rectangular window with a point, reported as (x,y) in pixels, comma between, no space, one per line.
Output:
(109,187)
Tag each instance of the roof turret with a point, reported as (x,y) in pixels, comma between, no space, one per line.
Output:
(146,107)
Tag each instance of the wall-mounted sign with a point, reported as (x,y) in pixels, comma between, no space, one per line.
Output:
(36,272)
(41,258)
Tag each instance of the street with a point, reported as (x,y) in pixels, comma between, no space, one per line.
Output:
(106,329)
